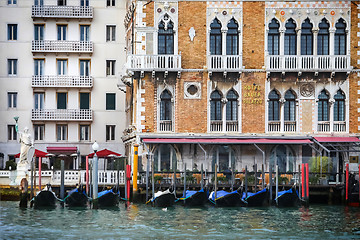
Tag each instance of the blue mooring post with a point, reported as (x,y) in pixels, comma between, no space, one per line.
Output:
(95,181)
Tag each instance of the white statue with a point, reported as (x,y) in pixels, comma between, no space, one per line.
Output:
(26,143)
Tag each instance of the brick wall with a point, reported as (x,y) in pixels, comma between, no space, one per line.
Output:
(149,104)
(149,11)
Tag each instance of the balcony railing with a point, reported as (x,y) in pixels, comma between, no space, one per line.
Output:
(232,126)
(166,126)
(62,46)
(216,126)
(62,12)
(225,63)
(274,126)
(340,126)
(61,81)
(323,126)
(154,62)
(61,114)
(308,63)
(289,126)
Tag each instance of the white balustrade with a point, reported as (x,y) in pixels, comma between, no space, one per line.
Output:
(166,125)
(340,126)
(227,63)
(61,81)
(44,11)
(323,126)
(308,63)
(216,126)
(274,126)
(62,114)
(289,126)
(154,62)
(232,126)
(62,46)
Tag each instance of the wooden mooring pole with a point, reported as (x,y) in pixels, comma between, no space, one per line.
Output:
(184,193)
(202,176)
(277,183)
(246,182)
(270,184)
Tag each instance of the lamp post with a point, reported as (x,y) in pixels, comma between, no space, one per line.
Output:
(95,147)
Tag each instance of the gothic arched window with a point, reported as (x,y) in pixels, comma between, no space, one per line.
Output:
(274,106)
(215,38)
(166,36)
(323,38)
(232,106)
(215,105)
(340,37)
(339,106)
(165,105)
(232,38)
(323,106)
(290,38)
(290,106)
(273,37)
(306,38)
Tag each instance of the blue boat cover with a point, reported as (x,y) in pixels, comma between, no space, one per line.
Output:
(287,191)
(189,193)
(249,194)
(102,193)
(220,194)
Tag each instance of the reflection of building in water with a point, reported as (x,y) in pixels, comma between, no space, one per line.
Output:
(218,86)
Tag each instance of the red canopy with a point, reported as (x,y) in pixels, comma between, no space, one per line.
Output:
(227,140)
(104,153)
(38,153)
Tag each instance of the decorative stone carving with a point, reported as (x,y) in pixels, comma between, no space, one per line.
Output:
(192,33)
(307,90)
(192,90)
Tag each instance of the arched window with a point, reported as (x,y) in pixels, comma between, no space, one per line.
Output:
(232,106)
(165,105)
(323,38)
(290,106)
(215,38)
(274,106)
(340,38)
(165,158)
(290,38)
(225,158)
(306,38)
(323,106)
(232,38)
(215,106)
(273,37)
(166,36)
(339,106)
(284,157)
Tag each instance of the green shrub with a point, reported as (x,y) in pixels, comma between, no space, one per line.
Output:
(158,178)
(11,164)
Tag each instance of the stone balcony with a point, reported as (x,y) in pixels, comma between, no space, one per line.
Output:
(61,115)
(83,12)
(61,81)
(55,46)
(224,63)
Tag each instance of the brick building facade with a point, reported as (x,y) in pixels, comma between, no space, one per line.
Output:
(242,82)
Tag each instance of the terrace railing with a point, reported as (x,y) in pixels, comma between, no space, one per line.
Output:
(154,62)
(62,114)
(62,46)
(84,12)
(61,81)
(225,63)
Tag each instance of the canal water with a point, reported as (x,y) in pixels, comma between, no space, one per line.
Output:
(144,222)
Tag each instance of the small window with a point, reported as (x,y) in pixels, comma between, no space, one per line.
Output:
(61,66)
(110,132)
(306,38)
(339,106)
(323,106)
(340,38)
(290,38)
(110,101)
(215,38)
(323,38)
(110,67)
(165,106)
(61,132)
(11,2)
(84,3)
(38,2)
(39,132)
(39,100)
(215,106)
(12,32)
(166,37)
(39,31)
(61,32)
(110,3)
(110,33)
(84,132)
(273,37)
(61,2)
(61,100)
(274,106)
(232,35)
(12,100)
(12,67)
(84,100)
(84,67)
(12,135)
(39,67)
(84,33)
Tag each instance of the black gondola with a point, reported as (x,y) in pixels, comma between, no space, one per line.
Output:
(76,198)
(194,198)
(45,198)
(288,198)
(257,199)
(108,198)
(227,199)
(163,199)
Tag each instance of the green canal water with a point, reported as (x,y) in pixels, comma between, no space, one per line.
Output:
(144,222)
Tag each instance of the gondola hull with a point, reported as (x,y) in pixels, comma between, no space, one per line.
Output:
(258,199)
(109,199)
(225,199)
(76,199)
(288,199)
(165,200)
(197,199)
(45,198)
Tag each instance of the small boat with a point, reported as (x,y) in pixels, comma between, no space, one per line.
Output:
(194,198)
(163,198)
(227,199)
(257,199)
(108,198)
(45,198)
(288,198)
(76,198)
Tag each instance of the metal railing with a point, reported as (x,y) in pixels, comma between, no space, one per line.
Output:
(227,63)
(62,46)
(62,114)
(166,126)
(154,62)
(61,81)
(308,63)
(62,11)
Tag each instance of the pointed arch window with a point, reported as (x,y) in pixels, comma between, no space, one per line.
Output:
(215,106)
(273,37)
(290,38)
(232,106)
(323,106)
(232,38)
(290,106)
(166,36)
(165,105)
(215,38)
(339,106)
(274,106)
(323,38)
(306,38)
(340,38)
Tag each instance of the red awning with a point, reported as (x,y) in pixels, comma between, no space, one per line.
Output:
(38,153)
(227,140)
(337,139)
(62,149)
(104,153)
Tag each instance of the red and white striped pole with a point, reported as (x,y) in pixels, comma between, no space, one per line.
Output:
(40,173)
(87,175)
(307,181)
(303,181)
